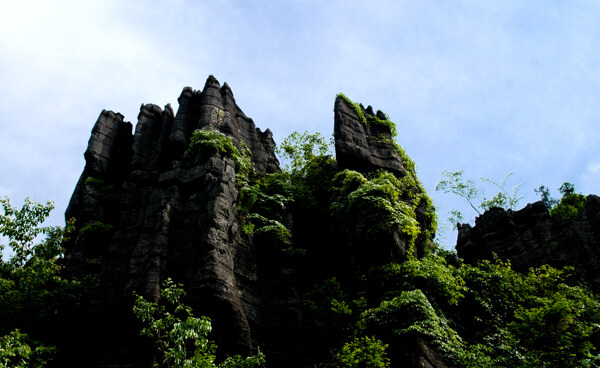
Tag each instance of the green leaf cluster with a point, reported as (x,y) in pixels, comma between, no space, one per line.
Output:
(485,315)
(475,197)
(376,204)
(18,350)
(96,228)
(328,305)
(103,188)
(570,206)
(208,142)
(431,274)
(298,150)
(364,352)
(370,119)
(542,318)
(408,314)
(180,339)
(32,290)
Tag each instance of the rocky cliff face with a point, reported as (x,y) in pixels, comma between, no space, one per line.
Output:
(147,210)
(531,237)
(364,141)
(361,146)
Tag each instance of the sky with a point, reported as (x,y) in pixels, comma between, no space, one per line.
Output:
(488,87)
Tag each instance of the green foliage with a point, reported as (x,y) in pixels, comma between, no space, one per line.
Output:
(544,193)
(17,350)
(503,198)
(556,328)
(179,338)
(330,307)
(408,314)
(431,274)
(238,361)
(466,189)
(369,119)
(31,289)
(272,228)
(542,318)
(571,204)
(98,184)
(101,188)
(486,315)
(208,142)
(300,149)
(21,227)
(457,185)
(270,196)
(566,188)
(376,205)
(364,352)
(96,228)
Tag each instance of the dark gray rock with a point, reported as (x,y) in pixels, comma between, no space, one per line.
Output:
(363,147)
(531,237)
(147,211)
(161,215)
(367,147)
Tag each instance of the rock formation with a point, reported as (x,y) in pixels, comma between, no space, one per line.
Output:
(364,141)
(360,146)
(531,237)
(147,210)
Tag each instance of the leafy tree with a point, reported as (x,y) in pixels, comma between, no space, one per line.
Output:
(17,350)
(371,206)
(411,314)
(300,149)
(31,288)
(566,188)
(544,193)
(568,206)
(541,318)
(466,189)
(431,274)
(503,198)
(571,204)
(179,338)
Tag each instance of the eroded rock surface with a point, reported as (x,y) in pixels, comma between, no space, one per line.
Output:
(531,237)
(147,210)
(363,147)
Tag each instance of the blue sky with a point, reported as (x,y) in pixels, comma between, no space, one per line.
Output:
(489,87)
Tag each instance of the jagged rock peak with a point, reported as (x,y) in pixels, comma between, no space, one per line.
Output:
(145,211)
(364,140)
(531,237)
(215,107)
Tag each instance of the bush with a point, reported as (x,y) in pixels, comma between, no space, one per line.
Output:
(208,142)
(364,352)
(408,314)
(17,350)
(179,338)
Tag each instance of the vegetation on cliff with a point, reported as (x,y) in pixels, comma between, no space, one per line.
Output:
(180,339)
(357,250)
